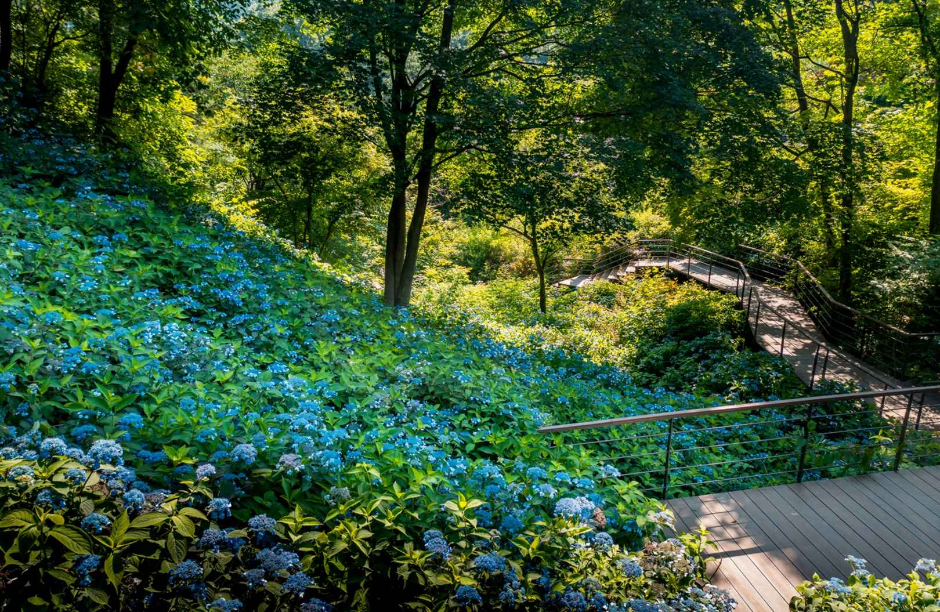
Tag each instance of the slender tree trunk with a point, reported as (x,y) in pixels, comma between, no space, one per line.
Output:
(400,294)
(330,226)
(395,231)
(934,226)
(6,35)
(849,26)
(812,143)
(308,221)
(110,74)
(540,269)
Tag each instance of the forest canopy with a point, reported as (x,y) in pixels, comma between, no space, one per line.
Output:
(808,127)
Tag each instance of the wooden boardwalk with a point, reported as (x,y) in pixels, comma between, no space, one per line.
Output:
(785,329)
(768,540)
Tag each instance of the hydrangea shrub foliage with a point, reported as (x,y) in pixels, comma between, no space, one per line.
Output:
(196,419)
(863,591)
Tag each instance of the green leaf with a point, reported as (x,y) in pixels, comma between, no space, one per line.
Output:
(184,526)
(148,519)
(120,527)
(72,538)
(17,519)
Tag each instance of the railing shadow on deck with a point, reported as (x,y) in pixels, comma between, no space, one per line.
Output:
(690,452)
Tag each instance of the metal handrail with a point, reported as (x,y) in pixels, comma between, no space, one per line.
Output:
(784,461)
(884,349)
(834,301)
(716,410)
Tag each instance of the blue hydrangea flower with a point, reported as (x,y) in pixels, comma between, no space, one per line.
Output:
(50,499)
(106,451)
(435,543)
(225,605)
(83,566)
(255,578)
(134,500)
(297,584)
(205,471)
(244,453)
(131,421)
(926,566)
(316,605)
(580,508)
(262,524)
(96,523)
(490,563)
(185,571)
(510,526)
(603,541)
(630,568)
(273,560)
(51,447)
(219,508)
(290,463)
(466,595)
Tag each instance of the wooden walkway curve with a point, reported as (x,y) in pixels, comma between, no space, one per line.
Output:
(779,325)
(769,540)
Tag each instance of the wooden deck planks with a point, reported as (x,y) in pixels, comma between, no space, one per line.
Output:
(769,540)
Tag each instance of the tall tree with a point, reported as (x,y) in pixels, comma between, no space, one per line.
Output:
(849,17)
(182,31)
(547,191)
(440,77)
(928,25)
(6,34)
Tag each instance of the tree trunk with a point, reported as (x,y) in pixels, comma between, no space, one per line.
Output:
(110,74)
(330,226)
(407,247)
(308,221)
(849,26)
(540,268)
(395,232)
(934,226)
(6,35)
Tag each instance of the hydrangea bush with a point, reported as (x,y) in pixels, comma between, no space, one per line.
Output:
(193,418)
(919,591)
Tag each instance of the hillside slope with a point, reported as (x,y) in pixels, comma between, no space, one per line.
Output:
(167,380)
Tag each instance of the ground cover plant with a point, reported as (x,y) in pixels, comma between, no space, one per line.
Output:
(194,417)
(919,591)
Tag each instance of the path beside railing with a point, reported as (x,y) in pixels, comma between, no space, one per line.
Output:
(769,540)
(777,320)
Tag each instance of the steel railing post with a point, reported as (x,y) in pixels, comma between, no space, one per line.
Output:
(709,281)
(757,321)
(668,458)
(883,397)
(903,435)
(920,410)
(750,294)
(802,463)
(812,376)
(783,336)
(825,364)
(688,265)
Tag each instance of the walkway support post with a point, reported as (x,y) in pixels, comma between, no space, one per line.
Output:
(812,376)
(907,418)
(783,336)
(805,444)
(668,459)
(757,322)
